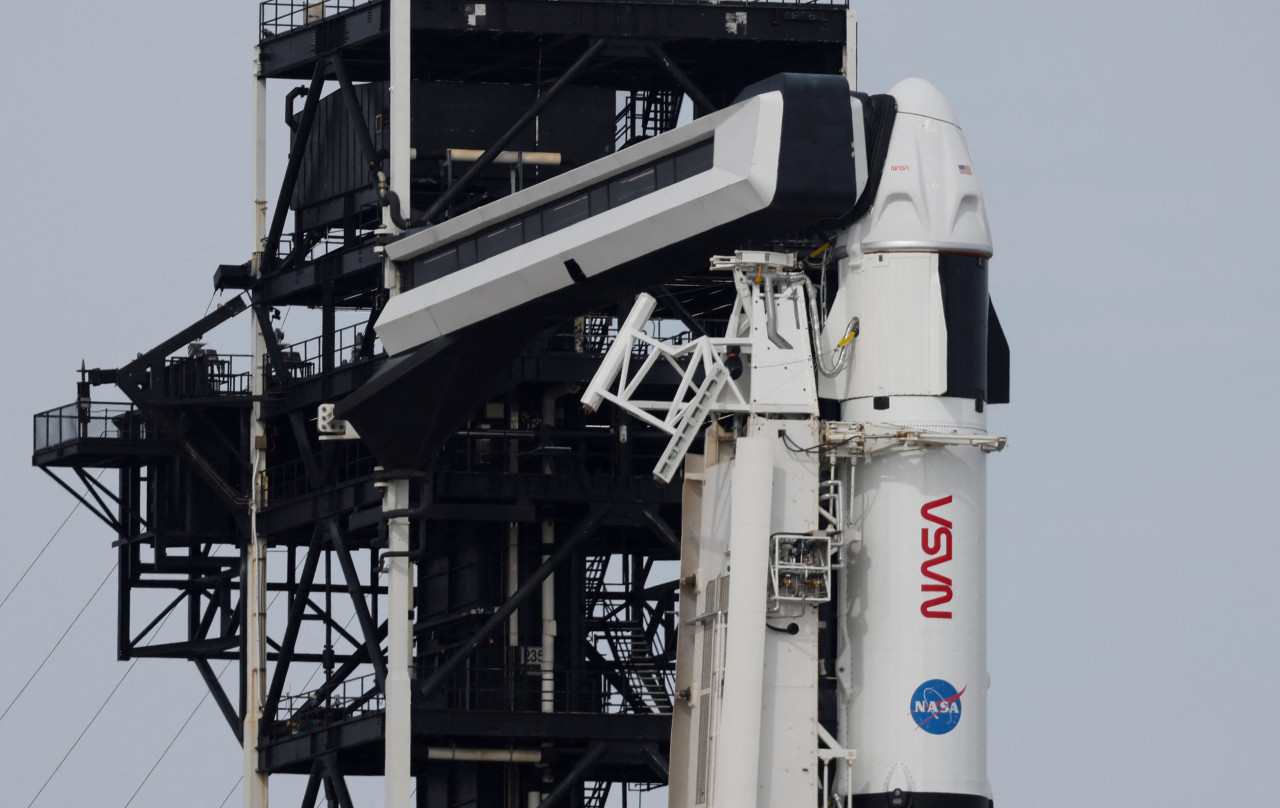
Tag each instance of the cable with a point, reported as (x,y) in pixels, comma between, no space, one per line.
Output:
(182,728)
(175,739)
(239,780)
(74,508)
(59,642)
(82,732)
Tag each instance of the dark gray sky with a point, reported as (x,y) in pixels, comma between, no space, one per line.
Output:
(1126,150)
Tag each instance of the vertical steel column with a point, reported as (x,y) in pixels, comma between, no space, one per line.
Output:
(253,593)
(399,729)
(401,125)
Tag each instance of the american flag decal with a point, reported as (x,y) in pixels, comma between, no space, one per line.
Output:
(966,170)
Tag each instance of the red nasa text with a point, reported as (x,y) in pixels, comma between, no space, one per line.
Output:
(938,547)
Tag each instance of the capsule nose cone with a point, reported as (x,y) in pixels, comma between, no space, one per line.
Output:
(919,97)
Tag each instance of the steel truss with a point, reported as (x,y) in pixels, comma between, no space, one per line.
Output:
(544,623)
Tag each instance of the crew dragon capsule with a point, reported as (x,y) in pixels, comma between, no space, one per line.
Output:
(930,355)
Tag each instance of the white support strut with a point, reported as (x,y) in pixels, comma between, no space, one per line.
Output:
(253,591)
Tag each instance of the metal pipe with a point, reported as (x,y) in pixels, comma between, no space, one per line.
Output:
(253,581)
(771,312)
(398,732)
(493,151)
(485,755)
(529,158)
(815,325)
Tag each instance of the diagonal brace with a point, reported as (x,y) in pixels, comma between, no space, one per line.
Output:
(531,584)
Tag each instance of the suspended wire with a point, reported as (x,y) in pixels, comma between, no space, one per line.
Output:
(105,701)
(59,642)
(239,780)
(117,687)
(82,734)
(192,715)
(204,698)
(74,508)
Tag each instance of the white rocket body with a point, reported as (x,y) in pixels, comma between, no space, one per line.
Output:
(896,489)
(913,650)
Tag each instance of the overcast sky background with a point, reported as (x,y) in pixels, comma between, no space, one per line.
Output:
(1127,151)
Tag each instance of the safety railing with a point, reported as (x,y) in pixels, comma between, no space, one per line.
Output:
(351,699)
(88,420)
(288,481)
(281,16)
(277,17)
(304,359)
(208,374)
(493,689)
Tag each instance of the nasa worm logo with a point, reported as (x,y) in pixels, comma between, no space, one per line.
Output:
(937,546)
(935,706)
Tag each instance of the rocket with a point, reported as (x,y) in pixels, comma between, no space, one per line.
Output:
(929,355)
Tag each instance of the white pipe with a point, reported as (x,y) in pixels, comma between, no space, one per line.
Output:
(548,623)
(549,585)
(485,755)
(254,585)
(513,528)
(398,744)
(401,91)
(528,158)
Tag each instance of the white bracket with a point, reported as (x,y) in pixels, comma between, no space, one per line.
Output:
(332,428)
(704,381)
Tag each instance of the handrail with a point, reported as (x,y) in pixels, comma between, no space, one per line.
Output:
(276,17)
(62,425)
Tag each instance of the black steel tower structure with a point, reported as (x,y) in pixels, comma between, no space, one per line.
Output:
(544,628)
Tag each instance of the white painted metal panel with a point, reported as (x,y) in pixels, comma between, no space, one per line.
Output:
(929,196)
(901,349)
(918,599)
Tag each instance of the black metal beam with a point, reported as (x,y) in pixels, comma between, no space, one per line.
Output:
(296,151)
(92,489)
(496,148)
(313,784)
(352,104)
(357,658)
(660,765)
(702,104)
(106,518)
(289,642)
(337,781)
(527,588)
(128,378)
(372,644)
(661,528)
(580,770)
(276,356)
(220,697)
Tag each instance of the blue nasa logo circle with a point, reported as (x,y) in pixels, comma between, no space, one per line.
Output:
(935,706)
